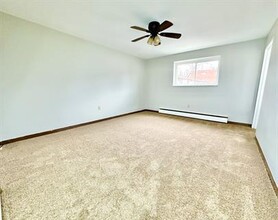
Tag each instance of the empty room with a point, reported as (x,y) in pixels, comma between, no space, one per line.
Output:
(139,110)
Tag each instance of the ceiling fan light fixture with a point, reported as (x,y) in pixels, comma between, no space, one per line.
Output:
(156,41)
(150,40)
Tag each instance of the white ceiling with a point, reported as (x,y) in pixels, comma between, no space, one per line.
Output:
(203,23)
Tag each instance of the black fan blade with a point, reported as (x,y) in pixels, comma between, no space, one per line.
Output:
(140,38)
(166,24)
(139,28)
(171,35)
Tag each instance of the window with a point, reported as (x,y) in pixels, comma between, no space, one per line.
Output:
(197,72)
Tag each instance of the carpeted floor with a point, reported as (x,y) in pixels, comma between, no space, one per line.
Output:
(140,166)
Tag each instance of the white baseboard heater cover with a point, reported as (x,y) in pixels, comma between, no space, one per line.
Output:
(198,115)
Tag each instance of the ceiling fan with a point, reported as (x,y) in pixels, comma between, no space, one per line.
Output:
(154,29)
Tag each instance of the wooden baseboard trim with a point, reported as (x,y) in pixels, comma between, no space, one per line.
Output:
(239,123)
(2,143)
(1,214)
(150,110)
(275,187)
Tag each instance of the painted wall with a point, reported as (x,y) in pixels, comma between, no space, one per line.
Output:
(235,95)
(50,80)
(267,129)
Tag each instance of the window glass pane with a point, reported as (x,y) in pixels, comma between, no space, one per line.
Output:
(185,74)
(197,72)
(206,73)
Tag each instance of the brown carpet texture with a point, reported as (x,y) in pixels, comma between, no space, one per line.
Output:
(141,166)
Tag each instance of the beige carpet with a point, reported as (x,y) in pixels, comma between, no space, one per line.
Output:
(141,166)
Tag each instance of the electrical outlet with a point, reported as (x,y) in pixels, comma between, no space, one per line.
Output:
(188,106)
(99,108)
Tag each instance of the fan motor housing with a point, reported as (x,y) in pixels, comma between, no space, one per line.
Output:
(154,28)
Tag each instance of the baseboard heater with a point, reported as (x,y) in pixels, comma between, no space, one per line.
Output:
(198,115)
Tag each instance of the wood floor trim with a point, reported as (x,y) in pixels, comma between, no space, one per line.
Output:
(1,213)
(150,110)
(239,123)
(275,187)
(2,143)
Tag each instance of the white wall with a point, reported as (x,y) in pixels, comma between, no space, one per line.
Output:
(50,80)
(235,95)
(267,129)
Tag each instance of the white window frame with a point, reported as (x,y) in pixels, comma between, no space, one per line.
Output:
(197,60)
(264,72)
